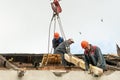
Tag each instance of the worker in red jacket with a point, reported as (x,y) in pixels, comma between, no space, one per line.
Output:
(93,55)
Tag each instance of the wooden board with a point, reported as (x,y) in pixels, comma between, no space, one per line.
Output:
(80,63)
(75,60)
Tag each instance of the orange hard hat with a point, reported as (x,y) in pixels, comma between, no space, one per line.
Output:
(84,44)
(56,35)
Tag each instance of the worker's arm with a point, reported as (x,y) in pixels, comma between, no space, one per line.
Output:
(86,62)
(100,56)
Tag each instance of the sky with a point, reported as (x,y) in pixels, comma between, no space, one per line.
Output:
(24,24)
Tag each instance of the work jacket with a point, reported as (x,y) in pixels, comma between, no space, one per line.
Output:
(94,56)
(64,47)
(56,42)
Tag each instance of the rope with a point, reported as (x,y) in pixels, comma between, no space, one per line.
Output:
(60,26)
(54,28)
(61,29)
(49,32)
(55,16)
(54,23)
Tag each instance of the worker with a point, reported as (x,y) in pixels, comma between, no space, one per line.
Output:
(56,40)
(93,55)
(63,48)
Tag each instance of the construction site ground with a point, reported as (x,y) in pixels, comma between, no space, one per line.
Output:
(57,74)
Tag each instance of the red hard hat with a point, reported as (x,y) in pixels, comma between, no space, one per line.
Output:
(56,35)
(84,44)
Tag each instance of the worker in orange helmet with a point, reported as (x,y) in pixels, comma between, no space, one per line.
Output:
(56,40)
(93,55)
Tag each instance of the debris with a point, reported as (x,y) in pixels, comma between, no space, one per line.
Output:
(51,59)
(21,72)
(8,64)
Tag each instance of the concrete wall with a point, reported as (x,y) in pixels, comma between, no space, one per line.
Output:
(50,75)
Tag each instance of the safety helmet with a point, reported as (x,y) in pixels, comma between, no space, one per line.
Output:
(84,44)
(56,35)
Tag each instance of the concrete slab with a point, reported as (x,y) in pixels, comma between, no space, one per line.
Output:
(56,75)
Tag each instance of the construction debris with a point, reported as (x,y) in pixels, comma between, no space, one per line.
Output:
(113,61)
(21,72)
(51,59)
(7,63)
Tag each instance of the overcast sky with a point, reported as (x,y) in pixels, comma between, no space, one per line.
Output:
(24,24)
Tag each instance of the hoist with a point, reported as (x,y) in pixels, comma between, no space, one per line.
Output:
(55,17)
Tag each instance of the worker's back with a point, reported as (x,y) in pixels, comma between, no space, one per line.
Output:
(61,48)
(64,47)
(56,42)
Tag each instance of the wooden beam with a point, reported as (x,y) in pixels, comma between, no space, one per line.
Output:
(75,60)
(80,63)
(8,64)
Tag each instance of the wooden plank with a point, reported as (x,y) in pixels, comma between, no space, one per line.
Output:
(8,64)
(44,60)
(96,70)
(21,71)
(75,60)
(80,63)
